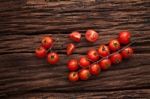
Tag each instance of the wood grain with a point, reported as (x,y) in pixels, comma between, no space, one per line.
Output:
(104,16)
(126,94)
(23,24)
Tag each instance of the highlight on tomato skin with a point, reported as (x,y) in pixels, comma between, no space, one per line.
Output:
(52,58)
(73,65)
(127,52)
(124,37)
(103,50)
(91,35)
(84,74)
(95,69)
(75,36)
(73,76)
(116,58)
(105,64)
(40,52)
(93,55)
(114,45)
(84,62)
(70,48)
(47,42)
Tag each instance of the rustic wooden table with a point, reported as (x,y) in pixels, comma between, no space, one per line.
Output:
(24,22)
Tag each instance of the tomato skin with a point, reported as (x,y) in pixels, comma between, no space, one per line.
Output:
(114,45)
(52,58)
(40,52)
(94,69)
(84,62)
(103,50)
(84,74)
(73,65)
(127,52)
(47,42)
(70,48)
(73,76)
(124,37)
(105,64)
(92,55)
(75,36)
(116,58)
(91,35)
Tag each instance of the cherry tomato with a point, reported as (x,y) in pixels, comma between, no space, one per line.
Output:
(84,62)
(47,42)
(73,65)
(114,45)
(70,48)
(124,37)
(92,55)
(73,76)
(91,36)
(52,58)
(116,58)
(103,50)
(40,52)
(105,64)
(75,36)
(84,74)
(127,52)
(94,69)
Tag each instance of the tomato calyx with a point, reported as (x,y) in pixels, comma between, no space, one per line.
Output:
(52,57)
(108,65)
(115,44)
(74,74)
(117,60)
(44,41)
(103,48)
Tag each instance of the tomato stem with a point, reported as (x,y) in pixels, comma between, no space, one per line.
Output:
(109,54)
(50,49)
(114,52)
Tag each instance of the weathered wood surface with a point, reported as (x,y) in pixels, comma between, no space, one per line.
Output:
(125,94)
(23,23)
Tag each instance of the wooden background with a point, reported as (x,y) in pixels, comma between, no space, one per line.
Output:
(23,24)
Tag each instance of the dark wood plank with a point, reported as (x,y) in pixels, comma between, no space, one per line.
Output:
(122,94)
(29,73)
(24,23)
(9,43)
(102,15)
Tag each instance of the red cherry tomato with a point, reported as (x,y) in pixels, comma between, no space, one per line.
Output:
(75,36)
(40,52)
(52,58)
(93,55)
(114,45)
(105,64)
(127,52)
(73,76)
(116,58)
(124,37)
(47,42)
(70,48)
(84,74)
(84,62)
(103,50)
(73,65)
(94,69)
(91,36)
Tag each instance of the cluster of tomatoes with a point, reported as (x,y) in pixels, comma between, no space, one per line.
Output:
(98,59)
(44,50)
(95,61)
